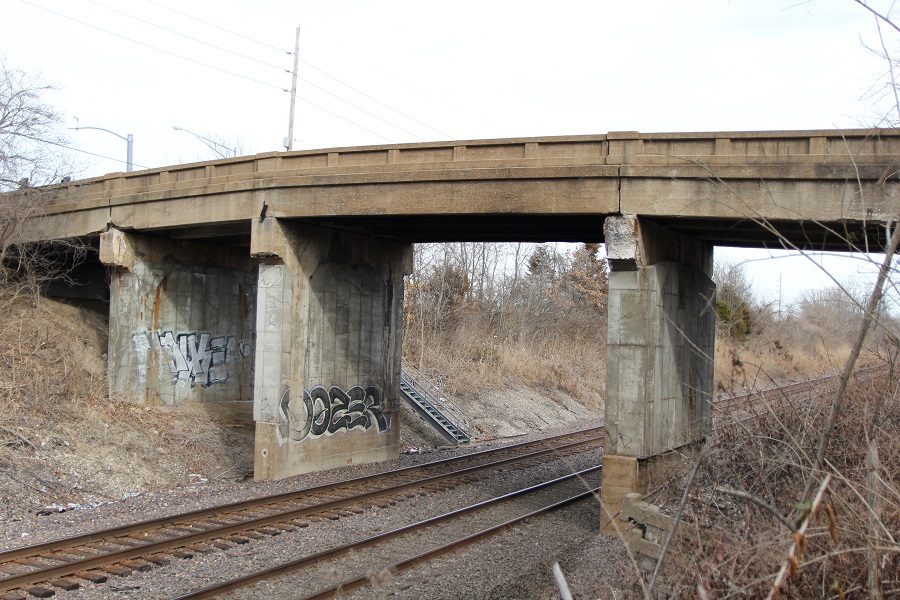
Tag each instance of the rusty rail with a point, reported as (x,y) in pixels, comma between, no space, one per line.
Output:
(139,546)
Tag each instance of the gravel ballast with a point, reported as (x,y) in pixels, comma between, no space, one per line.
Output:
(519,555)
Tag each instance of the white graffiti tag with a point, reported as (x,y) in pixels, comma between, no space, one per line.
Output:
(196,357)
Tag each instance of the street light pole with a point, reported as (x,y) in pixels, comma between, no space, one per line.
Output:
(211,144)
(129,139)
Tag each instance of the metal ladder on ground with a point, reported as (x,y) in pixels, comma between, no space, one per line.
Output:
(428,406)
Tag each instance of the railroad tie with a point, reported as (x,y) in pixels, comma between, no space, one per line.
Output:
(237,539)
(30,562)
(115,569)
(92,576)
(138,565)
(269,531)
(221,545)
(65,583)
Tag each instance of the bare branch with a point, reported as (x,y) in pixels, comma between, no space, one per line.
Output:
(760,503)
(868,317)
(791,558)
(878,15)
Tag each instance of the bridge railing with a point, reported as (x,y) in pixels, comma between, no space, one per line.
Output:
(854,147)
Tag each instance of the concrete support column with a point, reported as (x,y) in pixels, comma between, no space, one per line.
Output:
(660,346)
(181,323)
(329,333)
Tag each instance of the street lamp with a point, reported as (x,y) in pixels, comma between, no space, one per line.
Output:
(129,139)
(211,144)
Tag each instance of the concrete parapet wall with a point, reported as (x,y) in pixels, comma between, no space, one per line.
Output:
(181,322)
(824,176)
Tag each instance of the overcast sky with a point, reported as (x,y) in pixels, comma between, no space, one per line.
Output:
(405,71)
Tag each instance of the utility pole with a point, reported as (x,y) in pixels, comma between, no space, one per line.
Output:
(779,295)
(289,140)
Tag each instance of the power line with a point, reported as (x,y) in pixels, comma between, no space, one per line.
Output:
(376,100)
(331,112)
(234,74)
(314,67)
(152,47)
(186,36)
(211,45)
(361,109)
(307,63)
(322,108)
(74,149)
(207,23)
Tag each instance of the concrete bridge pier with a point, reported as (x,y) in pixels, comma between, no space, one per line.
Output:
(328,347)
(181,322)
(660,345)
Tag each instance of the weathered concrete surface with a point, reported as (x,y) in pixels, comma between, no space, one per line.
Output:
(660,347)
(181,322)
(660,340)
(329,333)
(823,176)
(331,229)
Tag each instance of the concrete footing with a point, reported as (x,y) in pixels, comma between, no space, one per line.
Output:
(623,475)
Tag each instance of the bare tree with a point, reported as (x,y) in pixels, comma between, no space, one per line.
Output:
(30,157)
(29,138)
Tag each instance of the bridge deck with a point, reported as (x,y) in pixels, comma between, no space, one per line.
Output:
(718,186)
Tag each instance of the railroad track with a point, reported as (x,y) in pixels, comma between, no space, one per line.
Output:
(572,480)
(39,569)
(735,408)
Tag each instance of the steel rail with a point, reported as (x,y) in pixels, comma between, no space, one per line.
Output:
(405,565)
(723,404)
(244,581)
(221,531)
(161,522)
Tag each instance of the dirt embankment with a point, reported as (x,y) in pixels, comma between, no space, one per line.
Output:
(63,439)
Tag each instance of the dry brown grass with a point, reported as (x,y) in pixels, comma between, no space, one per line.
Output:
(476,355)
(742,546)
(761,362)
(63,439)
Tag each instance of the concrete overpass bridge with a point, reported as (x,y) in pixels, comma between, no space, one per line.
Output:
(273,283)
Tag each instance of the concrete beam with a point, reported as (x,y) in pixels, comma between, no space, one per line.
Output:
(820,176)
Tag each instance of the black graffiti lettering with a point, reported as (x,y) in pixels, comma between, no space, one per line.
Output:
(348,409)
(318,410)
(330,411)
(373,406)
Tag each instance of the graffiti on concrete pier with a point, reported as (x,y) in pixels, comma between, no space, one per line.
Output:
(197,357)
(329,411)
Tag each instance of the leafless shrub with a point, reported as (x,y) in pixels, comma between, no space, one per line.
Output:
(770,458)
(478,315)
(29,139)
